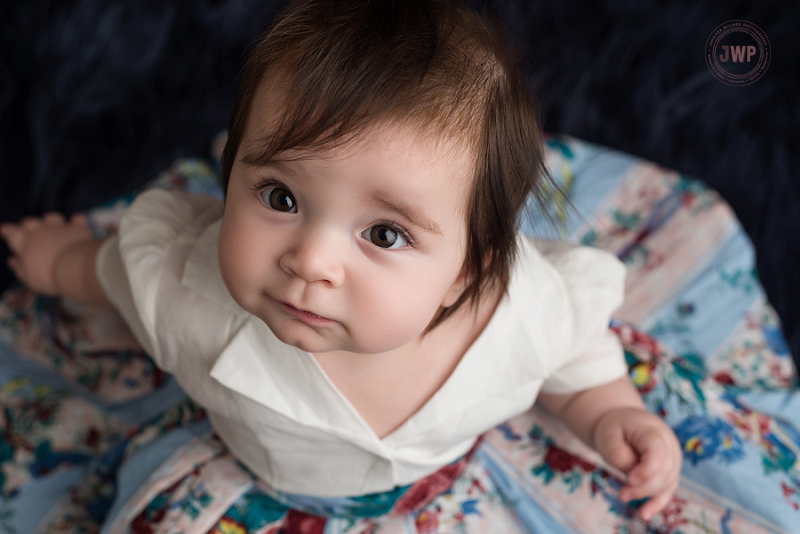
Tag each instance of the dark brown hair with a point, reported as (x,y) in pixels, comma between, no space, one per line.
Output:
(435,65)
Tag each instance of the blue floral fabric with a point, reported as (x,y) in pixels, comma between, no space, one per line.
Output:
(88,421)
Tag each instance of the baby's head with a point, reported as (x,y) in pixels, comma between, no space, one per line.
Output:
(338,70)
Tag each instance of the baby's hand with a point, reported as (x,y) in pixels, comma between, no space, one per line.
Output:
(645,448)
(36,243)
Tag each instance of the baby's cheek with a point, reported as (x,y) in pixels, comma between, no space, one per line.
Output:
(238,276)
(390,319)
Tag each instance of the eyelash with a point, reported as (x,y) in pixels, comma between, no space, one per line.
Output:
(263,183)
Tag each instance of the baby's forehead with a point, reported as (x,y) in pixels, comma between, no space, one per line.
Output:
(270,126)
(266,108)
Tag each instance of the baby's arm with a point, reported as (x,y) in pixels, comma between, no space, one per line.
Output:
(55,257)
(612,419)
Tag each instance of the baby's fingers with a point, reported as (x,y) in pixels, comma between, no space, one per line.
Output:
(53,218)
(621,456)
(13,235)
(652,461)
(79,219)
(611,444)
(656,472)
(654,505)
(30,223)
(640,486)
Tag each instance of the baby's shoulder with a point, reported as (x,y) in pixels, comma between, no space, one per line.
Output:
(574,267)
(169,238)
(562,291)
(164,214)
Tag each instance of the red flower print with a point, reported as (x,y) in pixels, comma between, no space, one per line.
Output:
(561,461)
(672,514)
(297,522)
(724,378)
(426,489)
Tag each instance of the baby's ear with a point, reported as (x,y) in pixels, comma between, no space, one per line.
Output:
(455,291)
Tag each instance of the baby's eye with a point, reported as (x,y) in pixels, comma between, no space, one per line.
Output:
(385,236)
(279,198)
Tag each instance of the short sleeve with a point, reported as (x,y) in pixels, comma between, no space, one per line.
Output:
(114,280)
(132,266)
(594,283)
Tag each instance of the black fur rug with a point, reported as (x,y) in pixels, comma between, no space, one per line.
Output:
(98,95)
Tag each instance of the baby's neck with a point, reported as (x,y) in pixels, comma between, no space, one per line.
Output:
(388,388)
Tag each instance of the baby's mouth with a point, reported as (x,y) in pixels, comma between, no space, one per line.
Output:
(304,315)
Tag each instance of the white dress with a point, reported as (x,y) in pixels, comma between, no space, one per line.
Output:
(275,408)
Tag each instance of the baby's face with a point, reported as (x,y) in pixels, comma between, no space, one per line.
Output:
(352,249)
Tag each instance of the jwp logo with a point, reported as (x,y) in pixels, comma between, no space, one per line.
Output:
(737,52)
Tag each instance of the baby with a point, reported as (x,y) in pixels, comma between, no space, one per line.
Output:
(364,282)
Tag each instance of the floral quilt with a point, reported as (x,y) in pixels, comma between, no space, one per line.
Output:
(96,439)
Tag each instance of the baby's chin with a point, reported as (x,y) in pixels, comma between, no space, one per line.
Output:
(303,337)
(291,338)
(315,343)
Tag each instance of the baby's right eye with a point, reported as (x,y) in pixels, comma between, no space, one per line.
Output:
(279,199)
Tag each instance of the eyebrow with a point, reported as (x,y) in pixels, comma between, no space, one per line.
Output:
(278,164)
(409,213)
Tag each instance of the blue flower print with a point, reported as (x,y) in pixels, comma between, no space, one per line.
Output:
(704,437)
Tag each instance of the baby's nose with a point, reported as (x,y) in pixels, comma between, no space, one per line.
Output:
(315,257)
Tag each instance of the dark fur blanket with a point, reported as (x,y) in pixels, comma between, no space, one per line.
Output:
(98,95)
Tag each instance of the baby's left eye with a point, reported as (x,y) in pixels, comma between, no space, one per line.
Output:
(384,236)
